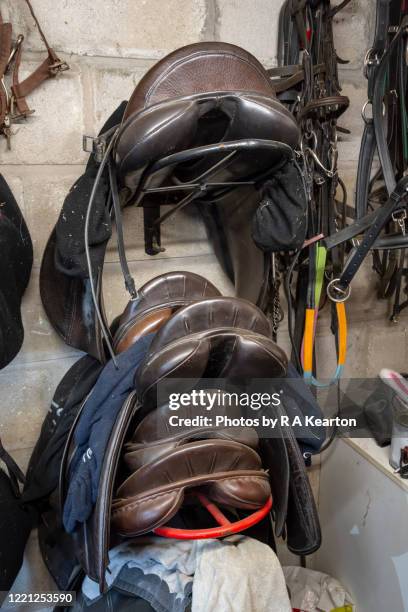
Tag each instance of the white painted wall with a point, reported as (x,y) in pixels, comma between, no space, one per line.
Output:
(365,539)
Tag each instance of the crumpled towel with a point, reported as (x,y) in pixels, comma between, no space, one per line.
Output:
(313,591)
(236,573)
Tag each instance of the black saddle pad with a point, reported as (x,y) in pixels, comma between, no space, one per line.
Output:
(16,259)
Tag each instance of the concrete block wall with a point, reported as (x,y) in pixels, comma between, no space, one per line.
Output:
(109,45)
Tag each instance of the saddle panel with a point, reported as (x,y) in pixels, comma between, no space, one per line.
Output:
(228,223)
(209,118)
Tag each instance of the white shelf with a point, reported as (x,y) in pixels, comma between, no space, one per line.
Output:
(379,457)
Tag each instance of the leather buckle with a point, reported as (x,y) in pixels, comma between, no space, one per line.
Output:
(17,116)
(399,217)
(371,58)
(14,49)
(96,146)
(58,67)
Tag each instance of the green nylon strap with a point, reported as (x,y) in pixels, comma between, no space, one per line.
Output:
(321,253)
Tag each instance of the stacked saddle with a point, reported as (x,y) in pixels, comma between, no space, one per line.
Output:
(224,464)
(215,337)
(204,125)
(152,472)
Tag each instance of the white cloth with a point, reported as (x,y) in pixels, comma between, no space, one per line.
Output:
(236,573)
(314,591)
(239,573)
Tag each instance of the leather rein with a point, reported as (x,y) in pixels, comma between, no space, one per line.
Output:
(386,132)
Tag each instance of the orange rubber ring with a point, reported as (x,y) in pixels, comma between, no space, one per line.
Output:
(215,532)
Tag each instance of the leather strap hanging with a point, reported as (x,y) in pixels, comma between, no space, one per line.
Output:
(15,106)
(385,132)
(49,68)
(307,81)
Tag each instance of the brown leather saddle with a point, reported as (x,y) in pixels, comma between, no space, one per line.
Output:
(151,470)
(202,126)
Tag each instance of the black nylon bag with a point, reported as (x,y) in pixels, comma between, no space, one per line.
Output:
(280,222)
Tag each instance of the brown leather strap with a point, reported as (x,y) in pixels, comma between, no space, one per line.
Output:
(45,41)
(336,105)
(50,67)
(5,48)
(293,76)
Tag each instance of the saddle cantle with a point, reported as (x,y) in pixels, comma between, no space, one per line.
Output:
(213,338)
(203,125)
(158,299)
